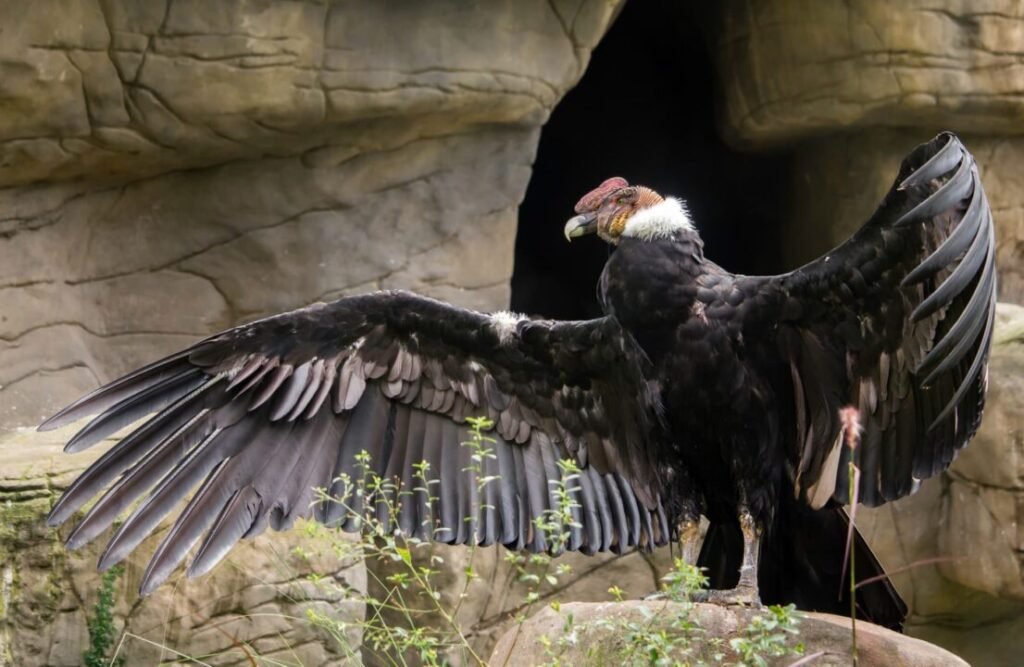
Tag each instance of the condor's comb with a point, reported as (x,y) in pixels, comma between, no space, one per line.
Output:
(593,199)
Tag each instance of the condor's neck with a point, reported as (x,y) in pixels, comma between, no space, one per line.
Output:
(646,284)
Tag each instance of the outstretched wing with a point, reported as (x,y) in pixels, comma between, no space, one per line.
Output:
(896,322)
(261,415)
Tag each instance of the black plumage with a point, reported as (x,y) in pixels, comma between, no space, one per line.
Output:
(699,392)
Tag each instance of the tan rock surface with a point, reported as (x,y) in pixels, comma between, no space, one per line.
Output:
(600,639)
(790,69)
(118,277)
(168,169)
(985,494)
(173,168)
(104,88)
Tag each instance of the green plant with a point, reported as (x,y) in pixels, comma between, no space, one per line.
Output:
(666,634)
(410,591)
(555,525)
(651,640)
(535,570)
(101,625)
(767,636)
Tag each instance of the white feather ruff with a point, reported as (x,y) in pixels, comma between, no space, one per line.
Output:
(659,221)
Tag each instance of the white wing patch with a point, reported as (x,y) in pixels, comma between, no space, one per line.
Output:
(819,493)
(505,324)
(659,221)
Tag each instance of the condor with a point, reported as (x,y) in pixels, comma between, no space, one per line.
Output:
(700,392)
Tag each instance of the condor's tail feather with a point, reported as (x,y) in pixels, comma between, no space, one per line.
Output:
(802,563)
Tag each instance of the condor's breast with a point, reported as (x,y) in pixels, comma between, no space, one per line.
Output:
(647,283)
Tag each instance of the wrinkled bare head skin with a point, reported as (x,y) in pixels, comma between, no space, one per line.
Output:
(615,209)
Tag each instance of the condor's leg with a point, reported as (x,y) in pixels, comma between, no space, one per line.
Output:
(746,590)
(745,593)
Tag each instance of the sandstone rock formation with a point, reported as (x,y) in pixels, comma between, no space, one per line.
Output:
(789,69)
(171,168)
(168,169)
(597,634)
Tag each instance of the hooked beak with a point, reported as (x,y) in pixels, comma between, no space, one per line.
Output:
(580,226)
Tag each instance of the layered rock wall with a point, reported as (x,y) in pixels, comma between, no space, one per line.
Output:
(171,168)
(789,69)
(248,605)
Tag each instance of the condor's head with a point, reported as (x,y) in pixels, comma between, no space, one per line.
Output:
(615,210)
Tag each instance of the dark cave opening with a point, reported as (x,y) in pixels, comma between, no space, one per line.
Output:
(644,110)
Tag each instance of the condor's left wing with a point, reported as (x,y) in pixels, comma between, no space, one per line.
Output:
(897,323)
(258,416)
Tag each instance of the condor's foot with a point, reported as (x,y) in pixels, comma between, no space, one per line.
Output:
(741,596)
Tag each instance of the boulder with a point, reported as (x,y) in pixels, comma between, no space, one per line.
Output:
(599,635)
(985,495)
(119,277)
